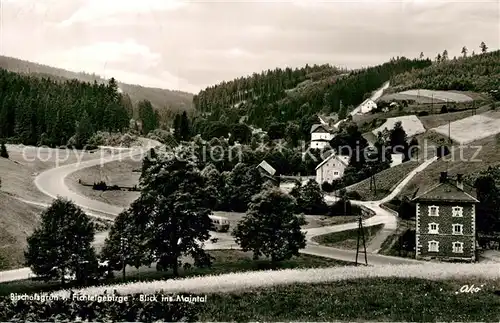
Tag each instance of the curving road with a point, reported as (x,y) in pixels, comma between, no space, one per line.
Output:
(51,183)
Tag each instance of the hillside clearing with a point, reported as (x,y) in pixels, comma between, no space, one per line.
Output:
(439,95)
(411,124)
(436,120)
(470,129)
(386,180)
(17,221)
(475,158)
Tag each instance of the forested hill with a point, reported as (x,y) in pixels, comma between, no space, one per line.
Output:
(479,73)
(283,95)
(175,101)
(40,111)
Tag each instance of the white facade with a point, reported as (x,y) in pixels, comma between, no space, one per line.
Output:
(367,106)
(396,159)
(331,168)
(320,144)
(320,136)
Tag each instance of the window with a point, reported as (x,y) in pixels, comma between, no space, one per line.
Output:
(458,229)
(457,211)
(433,246)
(433,211)
(458,247)
(433,228)
(336,173)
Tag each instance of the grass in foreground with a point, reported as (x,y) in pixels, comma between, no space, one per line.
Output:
(347,239)
(377,299)
(226,261)
(386,180)
(388,299)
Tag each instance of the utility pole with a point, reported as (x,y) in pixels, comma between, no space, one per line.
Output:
(361,235)
(122,245)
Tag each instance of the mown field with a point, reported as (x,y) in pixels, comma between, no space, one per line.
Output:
(348,239)
(436,120)
(470,129)
(386,181)
(467,160)
(374,299)
(122,173)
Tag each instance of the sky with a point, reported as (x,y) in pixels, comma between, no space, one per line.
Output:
(189,45)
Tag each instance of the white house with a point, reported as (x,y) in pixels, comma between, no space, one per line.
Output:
(331,168)
(367,106)
(396,159)
(320,136)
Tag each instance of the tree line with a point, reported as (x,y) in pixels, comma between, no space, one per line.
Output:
(41,111)
(479,73)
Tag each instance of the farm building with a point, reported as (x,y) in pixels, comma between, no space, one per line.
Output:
(367,106)
(320,136)
(446,221)
(331,168)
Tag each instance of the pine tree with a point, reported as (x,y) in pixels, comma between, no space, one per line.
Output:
(184,130)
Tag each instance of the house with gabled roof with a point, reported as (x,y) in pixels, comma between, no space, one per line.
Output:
(331,168)
(266,168)
(268,172)
(321,136)
(446,221)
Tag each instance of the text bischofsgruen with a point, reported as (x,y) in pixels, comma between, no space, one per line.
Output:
(44,297)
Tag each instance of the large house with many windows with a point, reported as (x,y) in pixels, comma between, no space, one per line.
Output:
(446,221)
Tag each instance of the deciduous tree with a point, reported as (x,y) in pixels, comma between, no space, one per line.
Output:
(271,227)
(62,245)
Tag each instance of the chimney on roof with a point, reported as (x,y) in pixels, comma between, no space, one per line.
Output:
(460,181)
(444,177)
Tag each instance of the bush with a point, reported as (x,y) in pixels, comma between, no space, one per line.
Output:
(100,186)
(444,109)
(327,187)
(353,195)
(337,208)
(3,151)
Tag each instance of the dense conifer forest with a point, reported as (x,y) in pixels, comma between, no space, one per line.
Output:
(41,111)
(478,73)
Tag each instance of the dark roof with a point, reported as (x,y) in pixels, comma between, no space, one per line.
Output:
(447,192)
(318,126)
